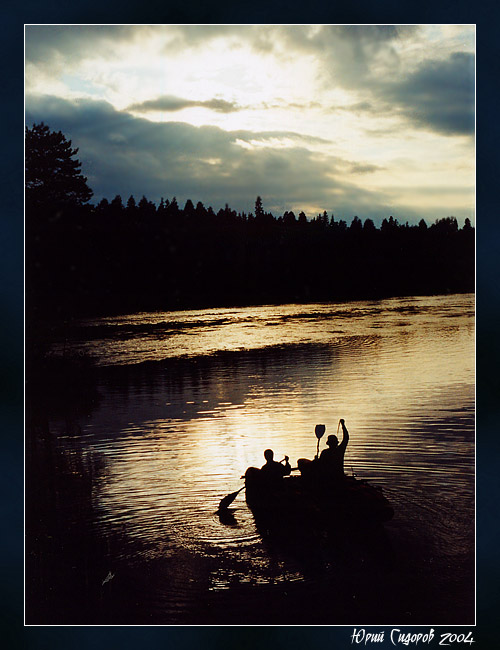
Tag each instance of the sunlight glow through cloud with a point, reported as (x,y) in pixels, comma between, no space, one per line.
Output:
(396,105)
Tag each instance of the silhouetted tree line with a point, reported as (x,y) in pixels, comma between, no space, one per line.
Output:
(123,255)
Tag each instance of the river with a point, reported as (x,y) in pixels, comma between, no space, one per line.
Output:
(184,402)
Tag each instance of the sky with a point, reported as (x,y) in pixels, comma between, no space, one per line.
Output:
(364,120)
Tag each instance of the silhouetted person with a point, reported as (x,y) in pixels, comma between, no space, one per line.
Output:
(272,471)
(308,467)
(329,466)
(331,460)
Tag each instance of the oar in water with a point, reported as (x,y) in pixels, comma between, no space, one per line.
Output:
(227,501)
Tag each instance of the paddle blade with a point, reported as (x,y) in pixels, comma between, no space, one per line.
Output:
(320,430)
(227,501)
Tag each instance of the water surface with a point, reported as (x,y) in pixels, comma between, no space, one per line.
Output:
(188,400)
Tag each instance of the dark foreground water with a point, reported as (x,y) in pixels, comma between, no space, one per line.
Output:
(125,469)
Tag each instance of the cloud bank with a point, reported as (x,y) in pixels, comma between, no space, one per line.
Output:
(169,103)
(356,120)
(135,156)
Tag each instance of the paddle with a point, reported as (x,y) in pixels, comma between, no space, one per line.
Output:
(227,501)
(319,430)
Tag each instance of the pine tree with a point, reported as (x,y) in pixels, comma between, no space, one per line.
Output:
(53,176)
(259,211)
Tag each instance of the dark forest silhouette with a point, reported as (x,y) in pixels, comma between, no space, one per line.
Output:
(127,255)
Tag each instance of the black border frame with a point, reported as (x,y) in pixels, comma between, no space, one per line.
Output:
(482,14)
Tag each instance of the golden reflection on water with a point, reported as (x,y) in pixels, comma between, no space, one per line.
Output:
(154,336)
(174,444)
(168,439)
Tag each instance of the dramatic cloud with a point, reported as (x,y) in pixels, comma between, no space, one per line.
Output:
(136,156)
(171,104)
(49,44)
(357,168)
(438,95)
(368,120)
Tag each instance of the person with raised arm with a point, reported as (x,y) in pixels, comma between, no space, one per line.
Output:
(331,460)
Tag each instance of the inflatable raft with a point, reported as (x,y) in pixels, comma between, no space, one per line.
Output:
(316,500)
